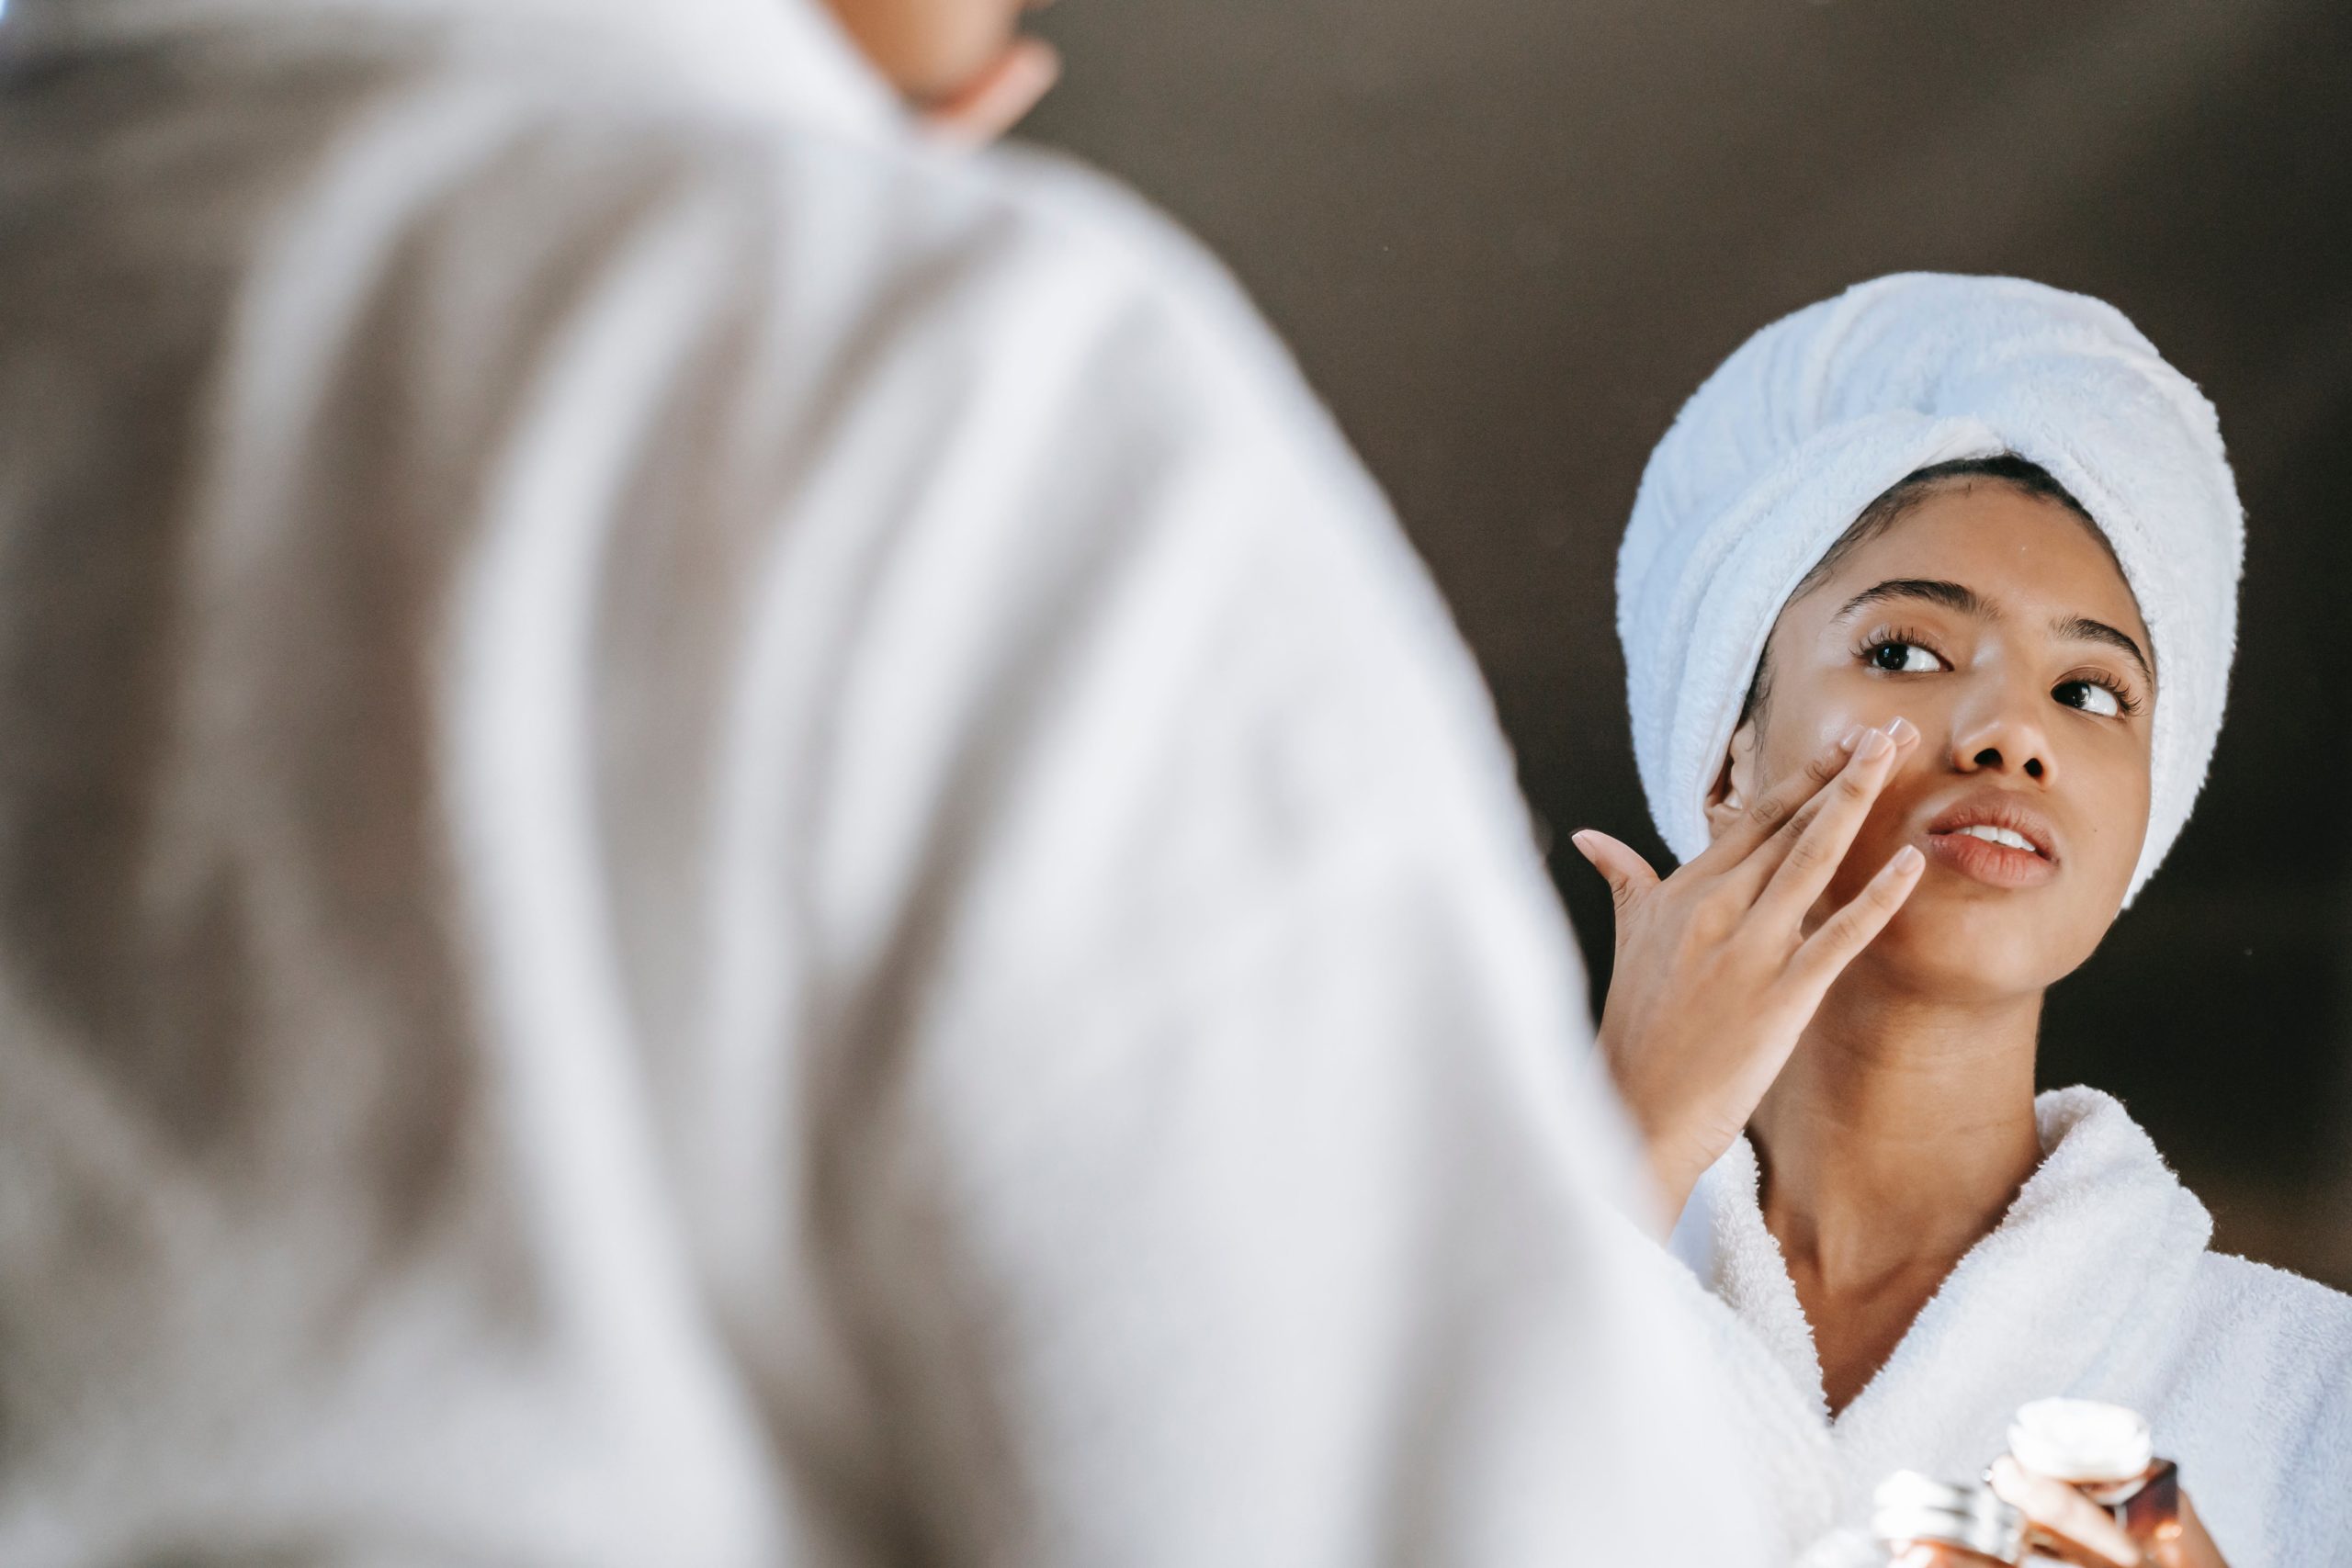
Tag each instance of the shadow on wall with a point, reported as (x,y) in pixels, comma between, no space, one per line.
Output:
(1508,237)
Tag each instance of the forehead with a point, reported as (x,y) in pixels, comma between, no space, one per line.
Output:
(2024,555)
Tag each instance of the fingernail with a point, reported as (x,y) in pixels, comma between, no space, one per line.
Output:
(1848,740)
(1901,730)
(1873,744)
(1908,856)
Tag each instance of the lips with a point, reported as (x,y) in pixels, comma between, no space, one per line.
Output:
(1995,840)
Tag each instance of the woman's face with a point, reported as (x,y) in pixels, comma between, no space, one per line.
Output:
(1998,623)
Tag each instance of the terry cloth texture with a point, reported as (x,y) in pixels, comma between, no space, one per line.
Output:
(1818,413)
(2099,1283)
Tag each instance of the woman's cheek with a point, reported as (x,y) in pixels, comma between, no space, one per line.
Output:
(2113,817)
(1826,705)
(1832,723)
(1792,747)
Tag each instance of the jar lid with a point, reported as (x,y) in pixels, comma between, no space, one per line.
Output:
(2081,1439)
(1910,1506)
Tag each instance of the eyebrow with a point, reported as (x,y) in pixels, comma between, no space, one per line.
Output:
(2082,629)
(1951,595)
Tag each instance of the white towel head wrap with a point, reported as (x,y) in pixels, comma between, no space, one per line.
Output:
(1774,457)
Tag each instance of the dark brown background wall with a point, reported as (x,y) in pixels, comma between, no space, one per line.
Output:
(1507,237)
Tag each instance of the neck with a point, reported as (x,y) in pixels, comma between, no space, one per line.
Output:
(1899,1131)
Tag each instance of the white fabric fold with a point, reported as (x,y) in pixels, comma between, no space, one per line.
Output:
(2098,1284)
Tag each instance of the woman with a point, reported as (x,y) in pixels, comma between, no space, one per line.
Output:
(1927,604)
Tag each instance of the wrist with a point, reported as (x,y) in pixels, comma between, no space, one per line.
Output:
(1674,1173)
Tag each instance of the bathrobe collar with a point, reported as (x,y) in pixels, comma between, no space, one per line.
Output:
(770,58)
(2054,1301)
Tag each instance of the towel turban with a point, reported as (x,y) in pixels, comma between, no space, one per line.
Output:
(1816,415)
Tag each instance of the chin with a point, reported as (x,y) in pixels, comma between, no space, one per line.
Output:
(1971,949)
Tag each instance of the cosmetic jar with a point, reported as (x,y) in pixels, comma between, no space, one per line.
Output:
(1921,1522)
(2106,1453)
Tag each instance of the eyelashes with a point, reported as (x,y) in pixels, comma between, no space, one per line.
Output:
(1873,648)
(2124,700)
(1898,651)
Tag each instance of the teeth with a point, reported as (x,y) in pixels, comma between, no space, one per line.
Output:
(2002,836)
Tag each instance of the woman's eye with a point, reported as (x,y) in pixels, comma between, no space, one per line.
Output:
(1903,658)
(2090,696)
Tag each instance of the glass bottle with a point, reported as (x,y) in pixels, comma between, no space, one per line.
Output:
(1920,1522)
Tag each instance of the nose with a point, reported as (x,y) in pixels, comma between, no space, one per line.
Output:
(2004,734)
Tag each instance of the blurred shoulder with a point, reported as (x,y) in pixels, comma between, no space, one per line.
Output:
(1018,257)
(1064,240)
(1127,230)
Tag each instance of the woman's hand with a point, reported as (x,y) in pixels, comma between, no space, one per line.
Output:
(1715,977)
(2085,1533)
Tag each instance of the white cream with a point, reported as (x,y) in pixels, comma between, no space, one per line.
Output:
(2081,1441)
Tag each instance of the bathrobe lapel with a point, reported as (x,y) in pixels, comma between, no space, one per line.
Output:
(2097,1254)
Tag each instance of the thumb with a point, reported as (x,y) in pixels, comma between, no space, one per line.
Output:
(1628,874)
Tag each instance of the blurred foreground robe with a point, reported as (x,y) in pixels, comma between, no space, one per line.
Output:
(720,844)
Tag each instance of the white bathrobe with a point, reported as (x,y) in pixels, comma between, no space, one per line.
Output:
(721,844)
(2099,1284)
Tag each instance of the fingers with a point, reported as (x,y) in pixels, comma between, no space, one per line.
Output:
(1774,807)
(1628,874)
(1813,846)
(1841,937)
(1768,855)
(994,102)
(2066,1513)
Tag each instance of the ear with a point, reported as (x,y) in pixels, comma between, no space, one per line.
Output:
(1734,788)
